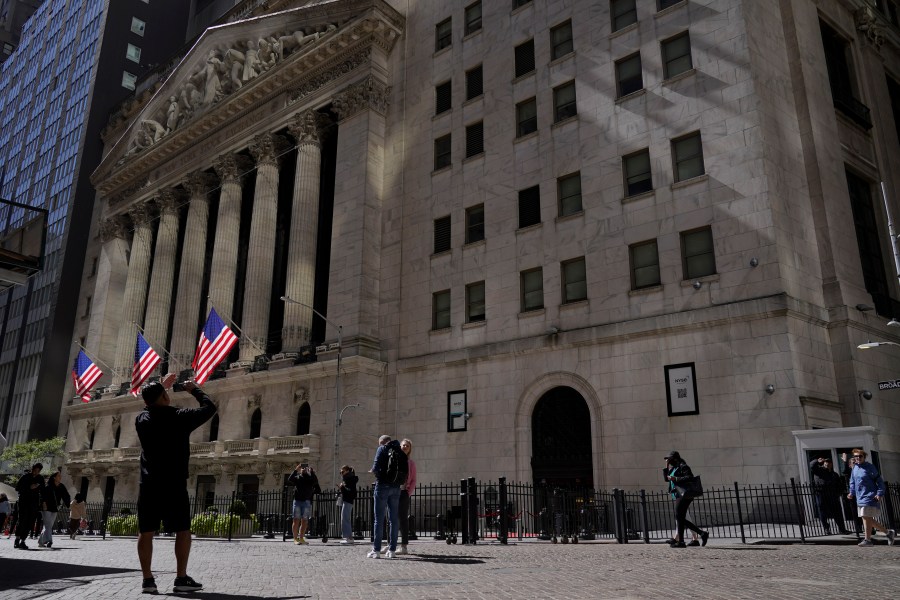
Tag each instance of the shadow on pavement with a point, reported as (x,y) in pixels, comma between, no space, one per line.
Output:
(218,596)
(450,560)
(20,573)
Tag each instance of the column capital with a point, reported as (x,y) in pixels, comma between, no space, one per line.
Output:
(266,148)
(167,201)
(231,167)
(111,229)
(199,183)
(141,213)
(366,94)
(306,127)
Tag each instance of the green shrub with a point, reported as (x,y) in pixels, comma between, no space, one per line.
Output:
(238,507)
(124,525)
(210,524)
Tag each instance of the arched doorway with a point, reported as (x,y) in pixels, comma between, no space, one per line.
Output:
(561,439)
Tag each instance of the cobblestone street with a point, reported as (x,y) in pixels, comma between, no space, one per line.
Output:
(94,568)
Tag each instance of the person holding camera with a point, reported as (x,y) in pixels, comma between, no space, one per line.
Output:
(306,485)
(828,487)
(679,475)
(164,432)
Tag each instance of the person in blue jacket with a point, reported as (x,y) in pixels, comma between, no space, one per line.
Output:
(867,487)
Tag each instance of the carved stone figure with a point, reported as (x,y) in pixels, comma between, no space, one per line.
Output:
(212,85)
(173,114)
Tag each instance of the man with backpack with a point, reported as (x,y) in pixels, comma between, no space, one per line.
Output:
(390,469)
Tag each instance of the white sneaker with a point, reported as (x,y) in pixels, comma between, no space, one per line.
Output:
(347,541)
(389,554)
(402,550)
(384,550)
(866,543)
(891,534)
(373,554)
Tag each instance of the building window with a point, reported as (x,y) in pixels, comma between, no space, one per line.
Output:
(564,102)
(644,265)
(676,55)
(255,424)
(636,168)
(133,53)
(473,18)
(128,80)
(868,241)
(687,152)
(663,4)
(474,139)
(526,117)
(844,91)
(214,429)
(525,58)
(443,34)
(94,263)
(529,207)
(117,437)
(475,224)
(561,40)
(474,82)
(87,306)
(629,78)
(303,419)
(7,48)
(520,3)
(442,152)
(475,302)
(442,234)
(894,93)
(532,289)
(440,310)
(442,97)
(569,190)
(697,253)
(574,280)
(622,13)
(137,26)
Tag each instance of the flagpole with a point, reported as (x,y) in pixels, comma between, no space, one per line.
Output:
(94,358)
(151,342)
(250,340)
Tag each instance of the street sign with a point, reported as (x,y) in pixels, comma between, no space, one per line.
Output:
(889,385)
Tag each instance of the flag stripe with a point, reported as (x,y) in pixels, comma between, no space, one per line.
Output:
(145,360)
(84,375)
(216,341)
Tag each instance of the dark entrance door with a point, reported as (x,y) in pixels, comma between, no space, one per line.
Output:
(561,440)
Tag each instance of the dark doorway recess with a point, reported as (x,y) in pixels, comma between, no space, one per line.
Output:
(561,440)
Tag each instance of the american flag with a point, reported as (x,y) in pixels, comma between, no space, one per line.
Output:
(216,341)
(84,375)
(145,360)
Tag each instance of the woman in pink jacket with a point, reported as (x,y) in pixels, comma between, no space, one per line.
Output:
(406,492)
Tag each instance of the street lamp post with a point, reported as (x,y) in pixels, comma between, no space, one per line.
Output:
(869,345)
(337,379)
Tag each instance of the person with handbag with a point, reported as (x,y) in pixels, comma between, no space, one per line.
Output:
(684,487)
(345,499)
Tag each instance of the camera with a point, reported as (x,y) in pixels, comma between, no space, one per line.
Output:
(178,386)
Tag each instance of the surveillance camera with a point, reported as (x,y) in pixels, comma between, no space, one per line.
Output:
(770,389)
(866,394)
(697,285)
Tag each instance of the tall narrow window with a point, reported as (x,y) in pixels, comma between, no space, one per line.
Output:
(255,424)
(574,284)
(561,40)
(844,91)
(214,428)
(443,34)
(474,139)
(442,152)
(529,207)
(475,302)
(676,55)
(532,282)
(629,78)
(644,265)
(526,117)
(473,18)
(894,93)
(687,153)
(440,310)
(564,102)
(622,13)
(525,58)
(868,241)
(443,97)
(116,437)
(442,234)
(303,419)
(636,169)
(475,224)
(697,253)
(474,82)
(569,190)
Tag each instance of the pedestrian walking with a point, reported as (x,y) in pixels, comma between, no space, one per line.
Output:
(867,488)
(306,485)
(347,491)
(828,486)
(406,492)
(164,432)
(390,470)
(682,486)
(77,512)
(4,513)
(29,489)
(52,495)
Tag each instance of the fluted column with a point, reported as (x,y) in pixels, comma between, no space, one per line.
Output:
(261,251)
(187,301)
(301,268)
(159,299)
(135,290)
(223,272)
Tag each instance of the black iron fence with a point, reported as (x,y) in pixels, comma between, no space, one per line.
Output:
(472,511)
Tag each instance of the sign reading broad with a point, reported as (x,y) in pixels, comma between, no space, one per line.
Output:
(889,385)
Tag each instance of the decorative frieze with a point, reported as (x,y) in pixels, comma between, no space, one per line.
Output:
(366,94)
(301,395)
(254,402)
(869,24)
(322,79)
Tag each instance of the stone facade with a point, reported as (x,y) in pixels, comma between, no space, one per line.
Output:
(771,330)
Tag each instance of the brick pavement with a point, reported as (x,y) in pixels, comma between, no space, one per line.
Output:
(98,569)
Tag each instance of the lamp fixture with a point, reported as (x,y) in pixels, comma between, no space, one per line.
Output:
(552,330)
(893,322)
(770,389)
(754,262)
(697,285)
(865,394)
(871,344)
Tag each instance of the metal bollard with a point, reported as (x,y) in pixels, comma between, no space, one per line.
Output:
(440,535)
(503,513)
(473,511)
(270,527)
(464,512)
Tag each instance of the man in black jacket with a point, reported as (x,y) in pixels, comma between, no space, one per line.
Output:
(29,488)
(829,487)
(306,485)
(165,432)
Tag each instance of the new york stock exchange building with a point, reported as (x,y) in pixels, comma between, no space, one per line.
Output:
(539,240)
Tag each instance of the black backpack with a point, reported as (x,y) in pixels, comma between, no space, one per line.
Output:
(397,465)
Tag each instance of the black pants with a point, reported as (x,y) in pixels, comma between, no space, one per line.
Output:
(681,522)
(404,518)
(27,515)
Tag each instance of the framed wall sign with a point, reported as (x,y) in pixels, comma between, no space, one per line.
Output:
(681,390)
(456,411)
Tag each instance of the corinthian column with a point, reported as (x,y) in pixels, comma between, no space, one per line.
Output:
(261,252)
(230,168)
(301,266)
(135,291)
(187,301)
(159,301)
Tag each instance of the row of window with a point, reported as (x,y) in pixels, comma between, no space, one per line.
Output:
(133,53)
(697,256)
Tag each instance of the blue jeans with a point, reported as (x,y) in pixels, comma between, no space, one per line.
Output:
(346,528)
(387,496)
